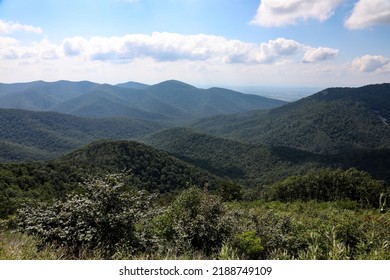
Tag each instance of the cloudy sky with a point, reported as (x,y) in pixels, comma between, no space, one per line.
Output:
(282,43)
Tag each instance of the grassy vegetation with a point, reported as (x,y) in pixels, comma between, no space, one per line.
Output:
(107,219)
(263,230)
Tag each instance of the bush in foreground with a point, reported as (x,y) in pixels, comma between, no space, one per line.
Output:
(330,185)
(195,221)
(102,217)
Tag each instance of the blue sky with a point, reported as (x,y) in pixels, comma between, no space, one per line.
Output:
(281,43)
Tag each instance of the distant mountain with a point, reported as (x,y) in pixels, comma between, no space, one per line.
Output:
(133,85)
(15,87)
(60,90)
(110,101)
(26,135)
(207,102)
(330,121)
(166,101)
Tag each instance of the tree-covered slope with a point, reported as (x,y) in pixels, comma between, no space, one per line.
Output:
(250,164)
(333,120)
(147,167)
(257,164)
(141,166)
(27,135)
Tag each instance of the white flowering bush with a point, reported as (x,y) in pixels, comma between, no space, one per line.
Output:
(103,215)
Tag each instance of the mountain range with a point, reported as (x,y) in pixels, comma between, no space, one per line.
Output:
(167,101)
(250,139)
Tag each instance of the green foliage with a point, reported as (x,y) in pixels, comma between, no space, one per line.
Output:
(28,183)
(195,221)
(229,190)
(102,217)
(313,230)
(248,245)
(243,230)
(254,165)
(244,163)
(279,233)
(145,168)
(330,185)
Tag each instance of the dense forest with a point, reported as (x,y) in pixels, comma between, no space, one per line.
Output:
(306,180)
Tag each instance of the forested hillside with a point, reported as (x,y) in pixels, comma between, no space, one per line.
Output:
(247,163)
(331,121)
(27,135)
(257,164)
(147,168)
(142,167)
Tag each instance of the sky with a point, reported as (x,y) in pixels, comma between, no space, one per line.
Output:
(229,43)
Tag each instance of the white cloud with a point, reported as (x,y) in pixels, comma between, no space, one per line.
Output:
(319,54)
(158,56)
(11,48)
(7,41)
(74,46)
(7,27)
(174,47)
(278,48)
(285,12)
(161,47)
(167,47)
(371,63)
(367,13)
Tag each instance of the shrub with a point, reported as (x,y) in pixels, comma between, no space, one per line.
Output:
(248,245)
(330,185)
(229,190)
(194,221)
(102,216)
(278,231)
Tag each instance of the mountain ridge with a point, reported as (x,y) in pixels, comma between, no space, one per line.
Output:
(329,121)
(332,128)
(170,100)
